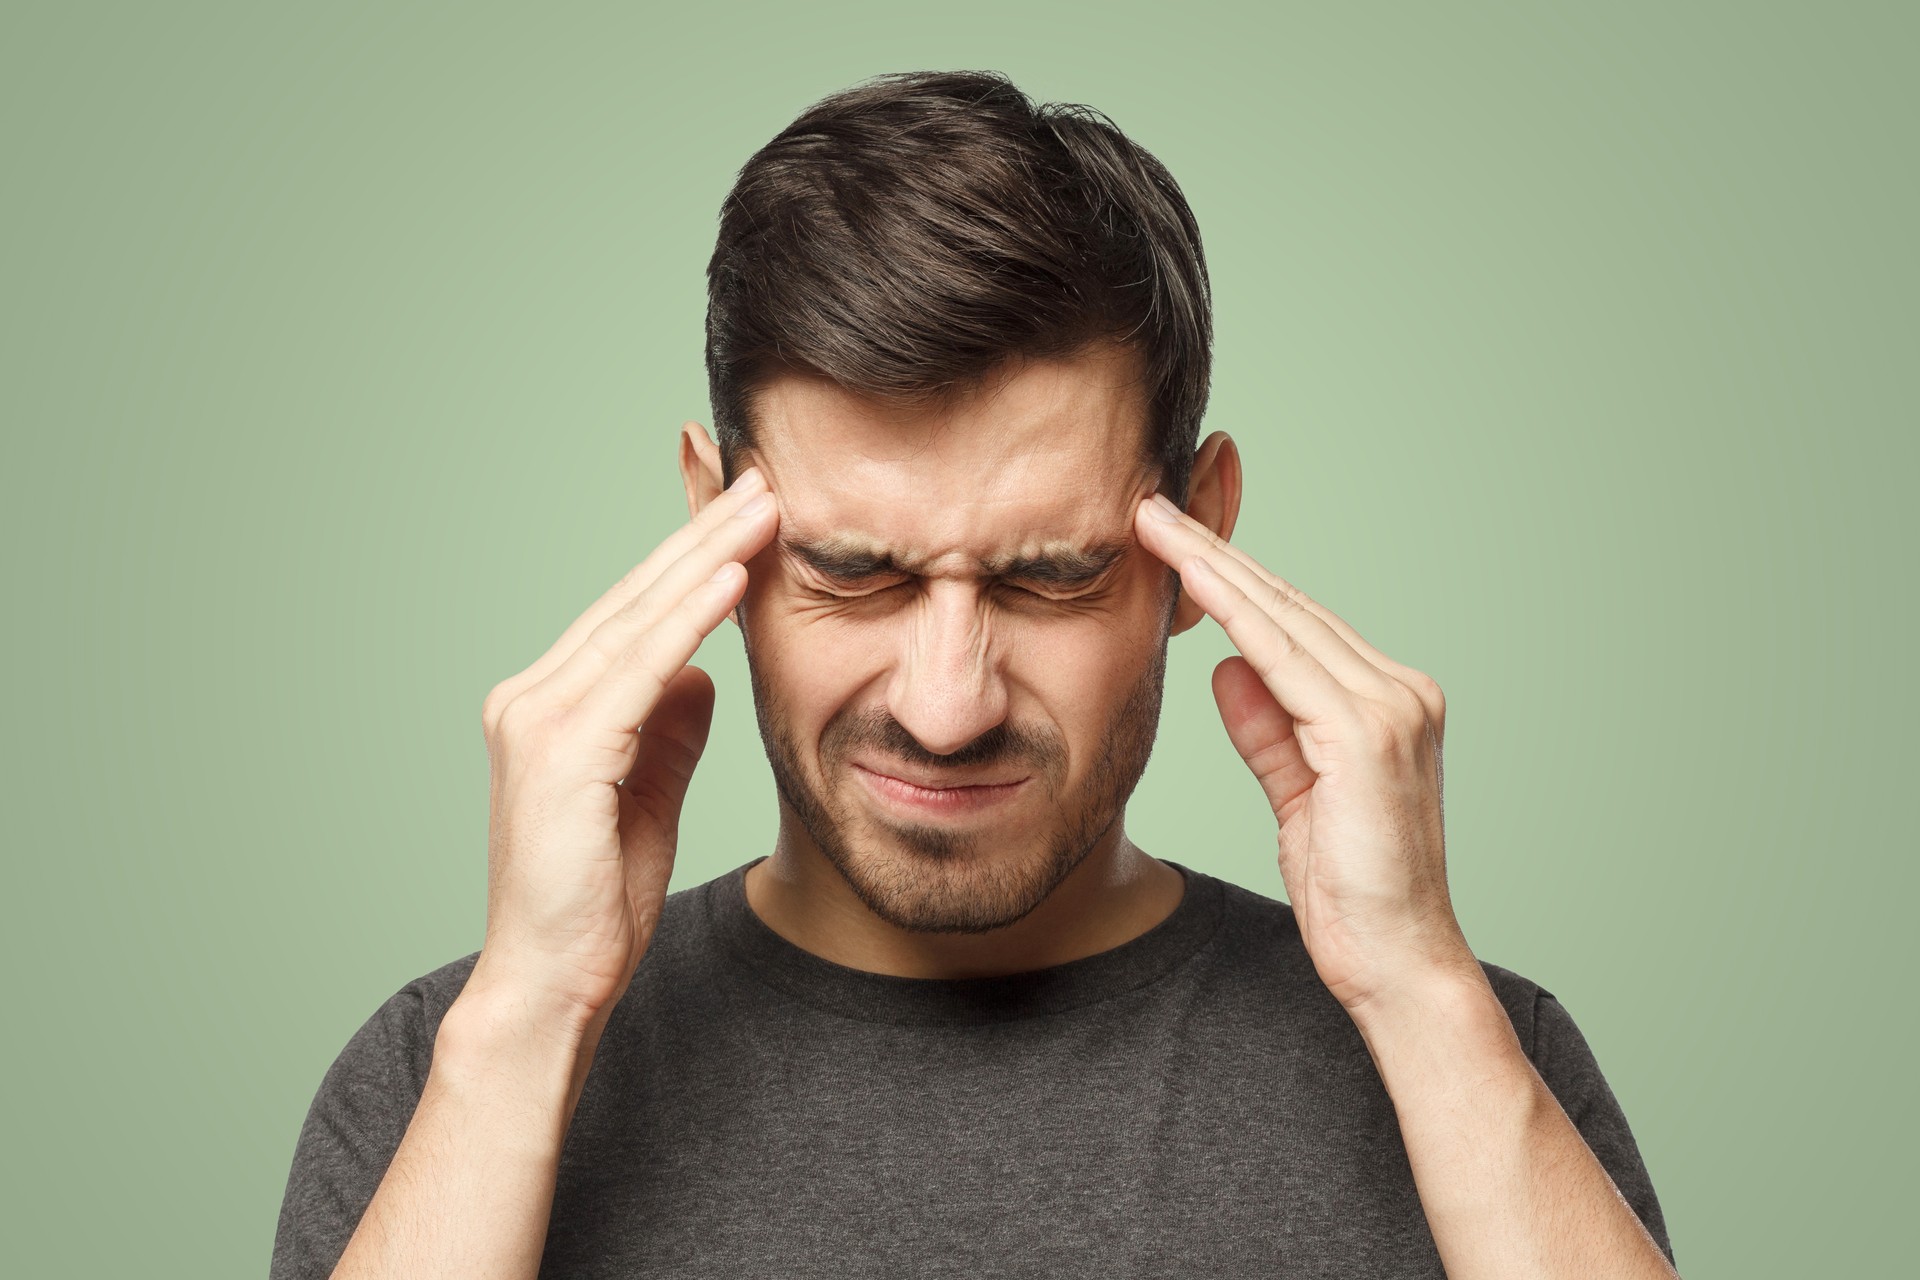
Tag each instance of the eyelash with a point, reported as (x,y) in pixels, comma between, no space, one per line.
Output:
(1032,595)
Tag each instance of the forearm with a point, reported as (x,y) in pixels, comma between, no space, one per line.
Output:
(470,1188)
(1509,1187)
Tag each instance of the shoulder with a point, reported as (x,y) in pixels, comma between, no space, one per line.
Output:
(405,1024)
(1259,930)
(684,932)
(1525,1001)
(1256,928)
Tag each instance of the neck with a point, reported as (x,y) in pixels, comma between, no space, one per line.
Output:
(1114,895)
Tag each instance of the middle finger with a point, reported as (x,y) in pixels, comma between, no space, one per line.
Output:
(738,536)
(1179,536)
(637,579)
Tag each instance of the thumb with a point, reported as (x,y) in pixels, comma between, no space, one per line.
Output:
(671,743)
(1261,731)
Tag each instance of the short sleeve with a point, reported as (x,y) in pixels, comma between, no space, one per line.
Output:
(352,1129)
(1567,1065)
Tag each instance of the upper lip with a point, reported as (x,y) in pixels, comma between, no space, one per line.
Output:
(942,782)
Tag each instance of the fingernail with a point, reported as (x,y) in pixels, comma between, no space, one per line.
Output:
(1161,509)
(757,506)
(745,480)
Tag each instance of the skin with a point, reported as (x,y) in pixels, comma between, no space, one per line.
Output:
(946,672)
(593,745)
(954,676)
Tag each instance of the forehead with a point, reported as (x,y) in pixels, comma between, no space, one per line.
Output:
(1045,456)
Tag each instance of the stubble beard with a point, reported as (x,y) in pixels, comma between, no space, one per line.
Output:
(936,879)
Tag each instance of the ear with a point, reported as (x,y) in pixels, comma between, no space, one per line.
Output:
(700,472)
(1213,498)
(700,468)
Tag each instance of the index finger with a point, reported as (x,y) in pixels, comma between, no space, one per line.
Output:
(1274,590)
(735,539)
(1179,539)
(746,486)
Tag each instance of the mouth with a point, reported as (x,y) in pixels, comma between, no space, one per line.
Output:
(938,799)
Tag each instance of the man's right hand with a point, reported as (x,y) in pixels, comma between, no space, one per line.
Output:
(592,748)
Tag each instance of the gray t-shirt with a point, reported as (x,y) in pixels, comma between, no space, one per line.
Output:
(1193,1102)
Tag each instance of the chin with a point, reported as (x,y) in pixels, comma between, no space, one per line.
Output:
(936,880)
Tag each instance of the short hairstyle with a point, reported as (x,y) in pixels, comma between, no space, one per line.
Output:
(906,237)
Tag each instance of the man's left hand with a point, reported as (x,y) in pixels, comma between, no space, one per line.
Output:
(1346,744)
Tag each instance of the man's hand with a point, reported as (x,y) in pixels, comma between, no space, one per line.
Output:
(1346,743)
(592,748)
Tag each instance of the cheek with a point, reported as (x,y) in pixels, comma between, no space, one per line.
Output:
(1087,669)
(810,670)
(1080,669)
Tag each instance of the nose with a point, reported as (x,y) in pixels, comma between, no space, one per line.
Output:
(947,688)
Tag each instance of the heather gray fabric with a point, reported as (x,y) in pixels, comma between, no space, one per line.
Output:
(1191,1103)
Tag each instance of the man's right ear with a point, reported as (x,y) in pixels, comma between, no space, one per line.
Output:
(700,467)
(700,472)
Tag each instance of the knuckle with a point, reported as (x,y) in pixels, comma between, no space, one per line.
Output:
(1408,706)
(1422,684)
(676,757)
(647,789)
(1283,595)
(523,725)
(644,657)
(491,706)
(1384,731)
(1411,714)
(597,639)
(633,579)
(1432,702)
(1285,649)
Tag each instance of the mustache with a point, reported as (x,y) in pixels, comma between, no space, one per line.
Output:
(887,737)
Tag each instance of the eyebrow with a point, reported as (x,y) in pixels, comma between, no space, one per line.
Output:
(852,560)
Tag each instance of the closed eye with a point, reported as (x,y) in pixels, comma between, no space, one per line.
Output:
(1053,594)
(865,589)
(854,590)
(836,570)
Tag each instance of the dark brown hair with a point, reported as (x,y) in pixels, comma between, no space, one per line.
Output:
(905,237)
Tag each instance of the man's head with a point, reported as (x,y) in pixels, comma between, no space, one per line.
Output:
(905,237)
(963,339)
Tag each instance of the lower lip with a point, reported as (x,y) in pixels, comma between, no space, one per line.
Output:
(949,800)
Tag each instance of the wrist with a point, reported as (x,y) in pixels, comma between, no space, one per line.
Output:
(1438,995)
(509,1081)
(500,1033)
(517,1001)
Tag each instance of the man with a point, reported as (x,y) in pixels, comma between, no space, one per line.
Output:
(957,1023)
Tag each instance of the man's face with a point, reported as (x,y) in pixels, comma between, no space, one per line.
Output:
(956,597)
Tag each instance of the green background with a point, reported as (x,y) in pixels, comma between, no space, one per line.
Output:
(1570,351)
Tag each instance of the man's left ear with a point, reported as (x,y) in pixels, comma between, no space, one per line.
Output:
(1213,498)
